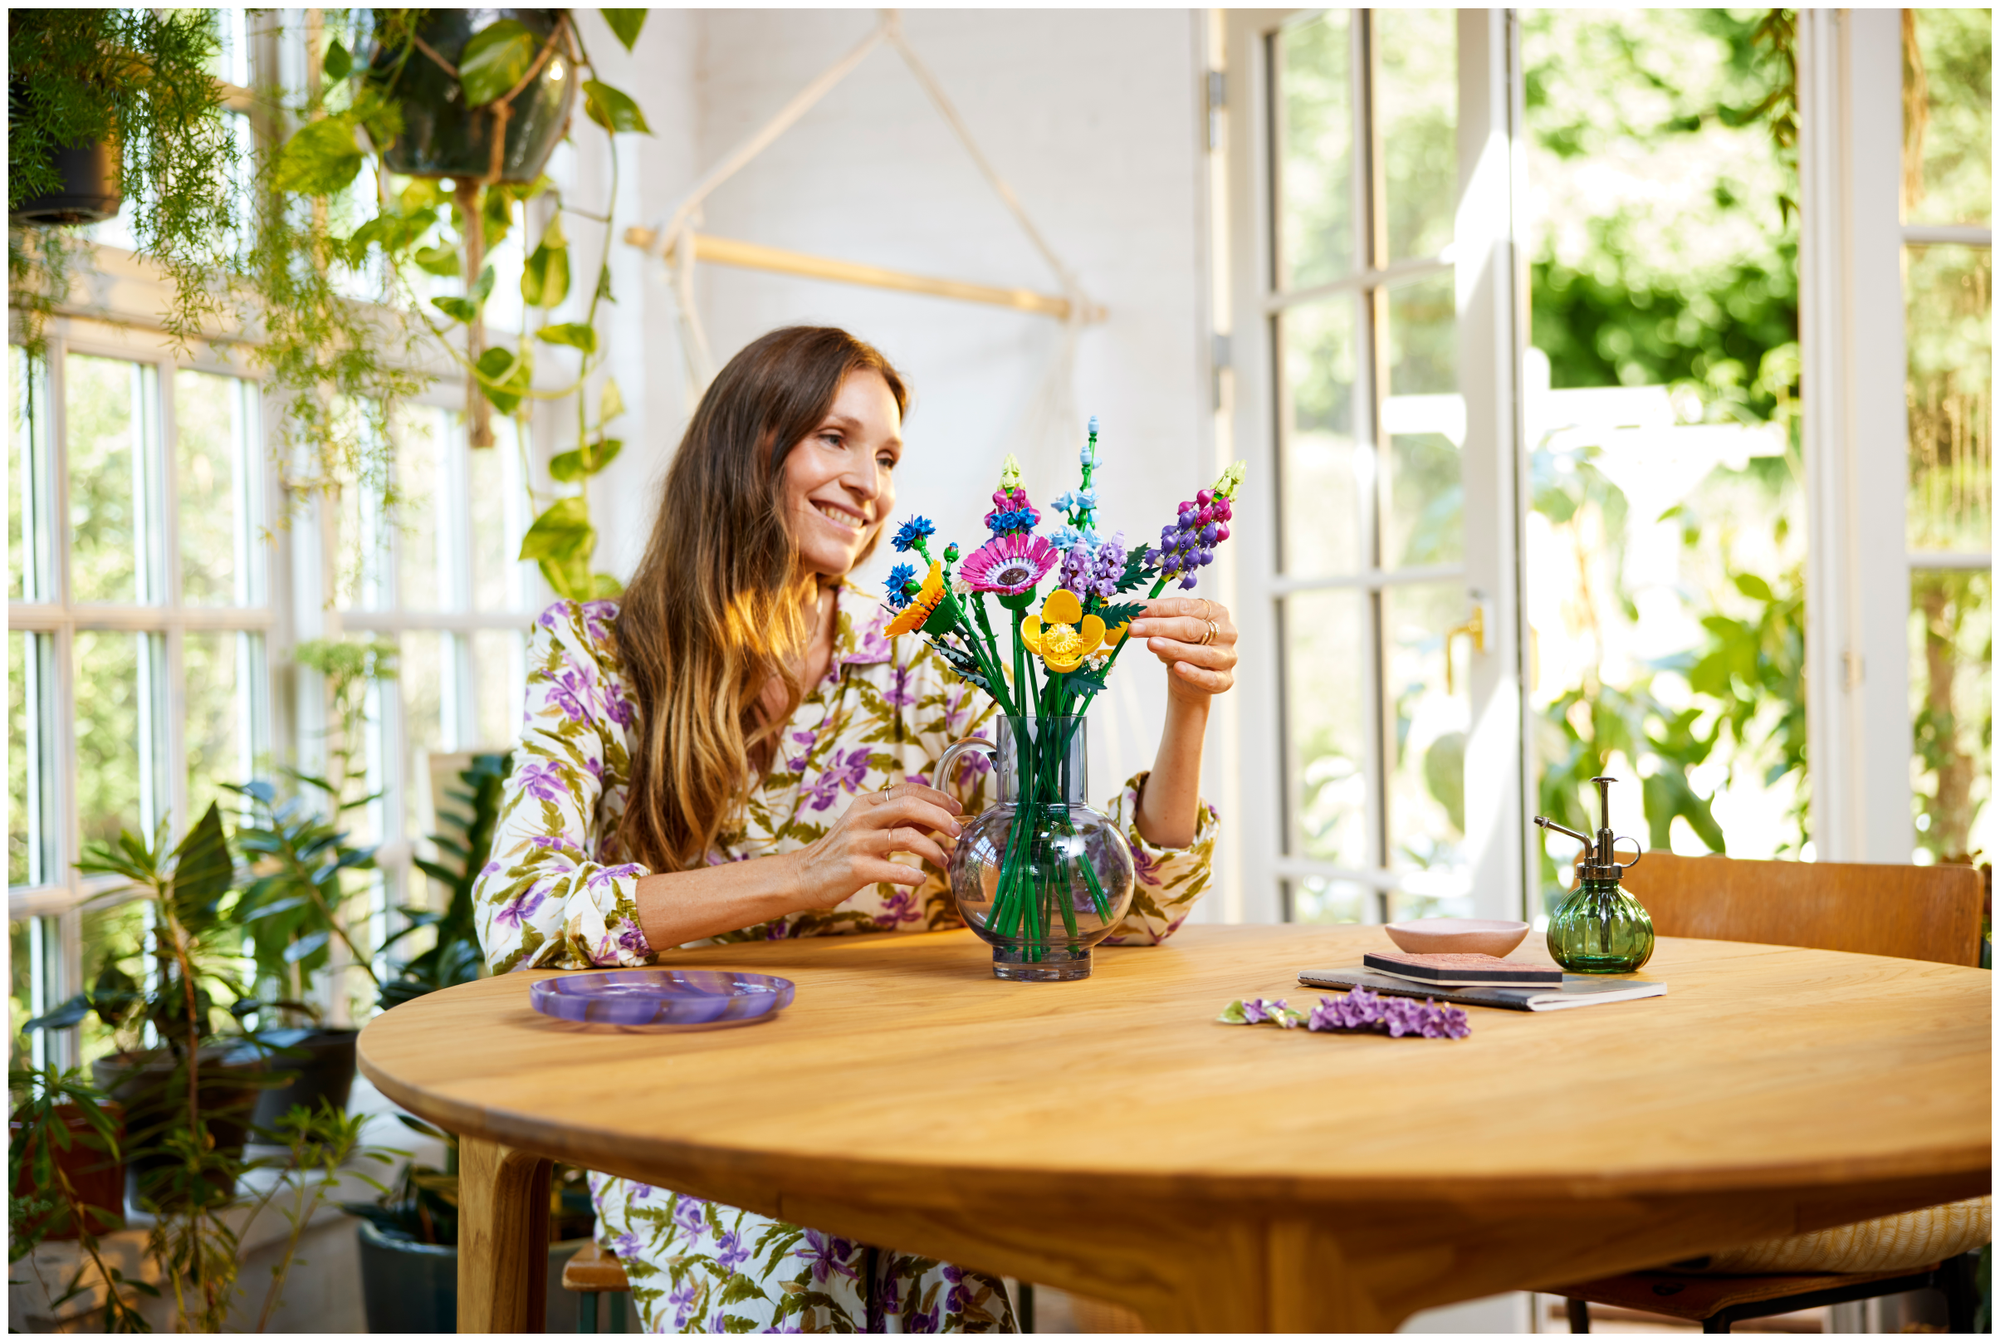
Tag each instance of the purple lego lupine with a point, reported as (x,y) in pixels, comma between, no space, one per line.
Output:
(1189,544)
(1394,1016)
(1257,1010)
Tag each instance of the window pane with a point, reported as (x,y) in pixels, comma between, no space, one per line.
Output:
(33,984)
(1948,298)
(28,576)
(117,932)
(492,493)
(418,669)
(420,438)
(1315,152)
(1416,106)
(110,423)
(31,831)
(1424,422)
(118,723)
(213,421)
(1324,517)
(1315,899)
(498,658)
(1327,722)
(1948,116)
(1951,693)
(1427,737)
(222,669)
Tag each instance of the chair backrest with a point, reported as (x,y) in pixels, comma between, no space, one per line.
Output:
(1915,913)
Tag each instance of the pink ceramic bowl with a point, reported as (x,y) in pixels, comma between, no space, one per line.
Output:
(1457,936)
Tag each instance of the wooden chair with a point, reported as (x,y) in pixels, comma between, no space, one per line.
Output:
(592,1273)
(1914,913)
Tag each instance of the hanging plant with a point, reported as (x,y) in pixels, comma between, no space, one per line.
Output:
(462,119)
(107,105)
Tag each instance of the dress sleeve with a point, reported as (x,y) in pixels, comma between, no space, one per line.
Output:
(542,901)
(1168,880)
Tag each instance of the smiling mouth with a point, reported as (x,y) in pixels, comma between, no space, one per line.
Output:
(845,520)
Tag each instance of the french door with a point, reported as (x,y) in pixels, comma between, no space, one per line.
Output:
(1376,334)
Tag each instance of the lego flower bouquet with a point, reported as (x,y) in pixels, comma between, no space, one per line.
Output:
(1040,876)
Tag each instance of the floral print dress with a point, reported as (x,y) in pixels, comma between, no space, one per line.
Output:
(557,894)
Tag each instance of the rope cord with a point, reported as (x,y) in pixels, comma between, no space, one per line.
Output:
(677,234)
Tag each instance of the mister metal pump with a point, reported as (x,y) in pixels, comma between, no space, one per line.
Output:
(1600,929)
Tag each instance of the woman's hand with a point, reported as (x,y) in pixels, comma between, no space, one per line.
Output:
(1196,639)
(854,854)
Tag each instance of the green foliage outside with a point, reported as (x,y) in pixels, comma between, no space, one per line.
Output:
(1661,159)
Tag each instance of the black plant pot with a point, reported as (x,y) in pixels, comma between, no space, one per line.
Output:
(152,1088)
(441,137)
(89,191)
(323,1061)
(407,1287)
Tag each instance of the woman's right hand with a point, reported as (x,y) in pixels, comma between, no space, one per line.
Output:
(854,854)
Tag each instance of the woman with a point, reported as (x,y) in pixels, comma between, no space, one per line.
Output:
(735,752)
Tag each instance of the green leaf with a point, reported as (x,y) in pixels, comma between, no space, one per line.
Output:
(605,587)
(496,212)
(579,335)
(495,364)
(613,110)
(545,278)
(440,261)
(458,309)
(339,63)
(203,868)
(561,532)
(483,286)
(610,405)
(320,160)
(625,24)
(604,284)
(494,60)
(572,466)
(1754,587)
(504,378)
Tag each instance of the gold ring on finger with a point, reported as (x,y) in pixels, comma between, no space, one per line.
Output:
(1209,637)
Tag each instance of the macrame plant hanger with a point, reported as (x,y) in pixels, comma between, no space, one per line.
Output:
(676,242)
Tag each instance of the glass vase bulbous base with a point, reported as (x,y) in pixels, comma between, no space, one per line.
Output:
(1043,897)
(1058,964)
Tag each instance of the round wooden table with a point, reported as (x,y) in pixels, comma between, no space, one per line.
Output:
(1108,1137)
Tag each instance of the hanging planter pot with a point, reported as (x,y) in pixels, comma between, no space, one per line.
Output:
(89,192)
(444,134)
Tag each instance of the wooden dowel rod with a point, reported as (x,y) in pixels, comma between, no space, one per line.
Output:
(756,256)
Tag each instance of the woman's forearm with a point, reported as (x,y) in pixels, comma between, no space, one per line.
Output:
(1168,809)
(676,907)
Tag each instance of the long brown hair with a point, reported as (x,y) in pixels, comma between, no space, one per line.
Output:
(714,612)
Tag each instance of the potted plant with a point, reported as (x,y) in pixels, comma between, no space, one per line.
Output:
(462,123)
(67,1181)
(109,105)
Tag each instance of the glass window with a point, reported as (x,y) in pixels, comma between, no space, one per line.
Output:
(27,480)
(215,464)
(119,722)
(498,658)
(1416,126)
(1365,178)
(115,933)
(1948,116)
(220,732)
(108,405)
(1948,298)
(1314,165)
(1951,692)
(423,544)
(31,813)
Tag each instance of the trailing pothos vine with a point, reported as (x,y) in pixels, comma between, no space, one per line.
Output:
(322,233)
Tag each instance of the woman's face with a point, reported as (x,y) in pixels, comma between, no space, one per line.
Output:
(838,485)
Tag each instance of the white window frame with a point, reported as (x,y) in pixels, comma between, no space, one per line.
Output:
(1855,370)
(1491,328)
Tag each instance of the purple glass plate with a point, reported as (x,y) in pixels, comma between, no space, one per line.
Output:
(662,997)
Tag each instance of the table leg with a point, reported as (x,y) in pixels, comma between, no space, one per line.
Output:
(503,1238)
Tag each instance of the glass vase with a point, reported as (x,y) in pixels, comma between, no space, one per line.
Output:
(1039,875)
(1600,929)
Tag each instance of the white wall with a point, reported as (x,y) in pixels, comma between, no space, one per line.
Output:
(1092,116)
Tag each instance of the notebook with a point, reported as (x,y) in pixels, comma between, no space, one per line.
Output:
(1577,990)
(1454,969)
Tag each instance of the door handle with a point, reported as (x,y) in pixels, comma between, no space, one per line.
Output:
(1474,630)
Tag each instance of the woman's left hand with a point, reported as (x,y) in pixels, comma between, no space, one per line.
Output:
(1196,639)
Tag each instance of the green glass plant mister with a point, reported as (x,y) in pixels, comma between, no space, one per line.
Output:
(1599,929)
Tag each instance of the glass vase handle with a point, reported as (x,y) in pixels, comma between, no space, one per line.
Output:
(949,760)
